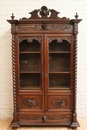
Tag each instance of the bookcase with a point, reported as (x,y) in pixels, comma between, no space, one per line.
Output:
(44,67)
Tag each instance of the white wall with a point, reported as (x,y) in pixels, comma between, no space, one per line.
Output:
(21,8)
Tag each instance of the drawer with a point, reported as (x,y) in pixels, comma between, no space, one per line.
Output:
(45,119)
(30,103)
(59,103)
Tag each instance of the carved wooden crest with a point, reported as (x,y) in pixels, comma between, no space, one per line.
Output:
(43,13)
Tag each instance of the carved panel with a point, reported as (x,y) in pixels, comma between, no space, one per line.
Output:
(59,102)
(58,117)
(30,39)
(59,39)
(30,102)
(76,28)
(44,27)
(48,117)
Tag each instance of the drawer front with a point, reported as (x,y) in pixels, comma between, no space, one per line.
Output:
(45,119)
(59,103)
(30,103)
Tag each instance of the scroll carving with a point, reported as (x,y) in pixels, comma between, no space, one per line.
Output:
(58,117)
(59,103)
(30,102)
(30,39)
(59,39)
(45,27)
(44,13)
(40,117)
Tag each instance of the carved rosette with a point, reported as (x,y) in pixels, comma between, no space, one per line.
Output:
(14,68)
(59,39)
(30,39)
(59,103)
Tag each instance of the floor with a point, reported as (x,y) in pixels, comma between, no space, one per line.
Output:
(4,125)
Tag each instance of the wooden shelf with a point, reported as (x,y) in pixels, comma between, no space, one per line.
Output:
(30,87)
(63,52)
(31,72)
(59,72)
(59,87)
(31,52)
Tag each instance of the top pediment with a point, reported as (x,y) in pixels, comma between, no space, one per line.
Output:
(44,13)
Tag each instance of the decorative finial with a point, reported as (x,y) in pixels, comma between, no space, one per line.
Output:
(12,17)
(76,16)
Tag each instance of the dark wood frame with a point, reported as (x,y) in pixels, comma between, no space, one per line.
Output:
(44,25)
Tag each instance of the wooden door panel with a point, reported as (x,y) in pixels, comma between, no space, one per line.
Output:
(31,103)
(58,103)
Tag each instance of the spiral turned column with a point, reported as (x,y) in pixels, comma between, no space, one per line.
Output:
(75,70)
(75,74)
(14,72)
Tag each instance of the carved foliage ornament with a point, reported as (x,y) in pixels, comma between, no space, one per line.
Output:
(76,28)
(45,27)
(40,117)
(13,28)
(44,12)
(30,39)
(59,39)
(59,103)
(30,102)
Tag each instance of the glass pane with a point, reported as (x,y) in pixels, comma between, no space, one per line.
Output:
(30,62)
(59,46)
(30,81)
(30,65)
(34,45)
(57,81)
(59,62)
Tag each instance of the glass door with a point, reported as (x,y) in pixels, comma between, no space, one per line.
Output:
(59,64)
(30,58)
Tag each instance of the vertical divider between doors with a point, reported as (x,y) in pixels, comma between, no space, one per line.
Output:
(46,71)
(42,73)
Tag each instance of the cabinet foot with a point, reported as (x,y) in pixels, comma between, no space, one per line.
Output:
(14,126)
(74,128)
